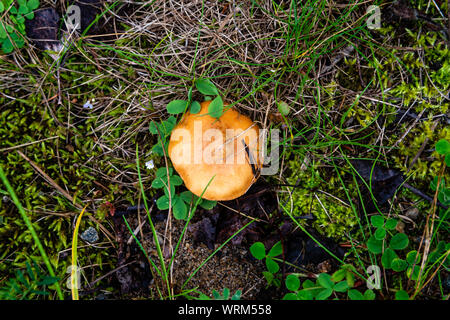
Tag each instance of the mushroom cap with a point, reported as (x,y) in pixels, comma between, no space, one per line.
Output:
(202,148)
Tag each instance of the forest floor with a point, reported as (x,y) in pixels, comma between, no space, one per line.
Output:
(361,101)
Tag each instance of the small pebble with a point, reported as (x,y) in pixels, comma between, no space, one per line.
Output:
(90,235)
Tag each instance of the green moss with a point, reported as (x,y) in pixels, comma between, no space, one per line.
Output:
(422,170)
(73,159)
(332,217)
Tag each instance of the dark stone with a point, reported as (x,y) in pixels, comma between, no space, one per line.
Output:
(43,30)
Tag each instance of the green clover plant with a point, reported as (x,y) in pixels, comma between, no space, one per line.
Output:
(207,88)
(225,295)
(258,251)
(12,29)
(179,202)
(325,286)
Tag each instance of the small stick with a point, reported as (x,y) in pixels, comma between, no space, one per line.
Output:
(423,195)
(27,144)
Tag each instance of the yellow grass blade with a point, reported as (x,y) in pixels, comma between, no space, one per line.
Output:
(74,275)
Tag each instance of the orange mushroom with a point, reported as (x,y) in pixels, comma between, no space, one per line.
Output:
(223,152)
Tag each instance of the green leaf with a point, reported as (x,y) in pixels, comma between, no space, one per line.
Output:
(159,183)
(176,180)
(377,221)
(3,33)
(304,295)
(236,295)
(391,224)
(20,19)
(187,196)
(18,40)
(433,184)
(258,250)
(290,296)
(292,282)
(411,257)
(443,147)
(7,46)
(207,204)
(413,274)
(195,107)
(339,275)
(153,129)
(206,87)
(2,7)
(401,295)
(268,276)
(271,265)
(163,203)
(354,294)
(324,279)
(33,4)
(21,278)
(23,9)
(179,208)
(29,269)
(162,172)
(324,294)
(444,196)
(158,149)
(190,94)
(163,128)
(380,233)
(48,281)
(226,293)
(176,106)
(369,295)
(398,265)
(169,124)
(216,295)
(387,257)
(308,284)
(40,292)
(215,108)
(350,278)
(203,296)
(375,246)
(341,286)
(447,159)
(399,241)
(283,107)
(172,191)
(29,15)
(276,250)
